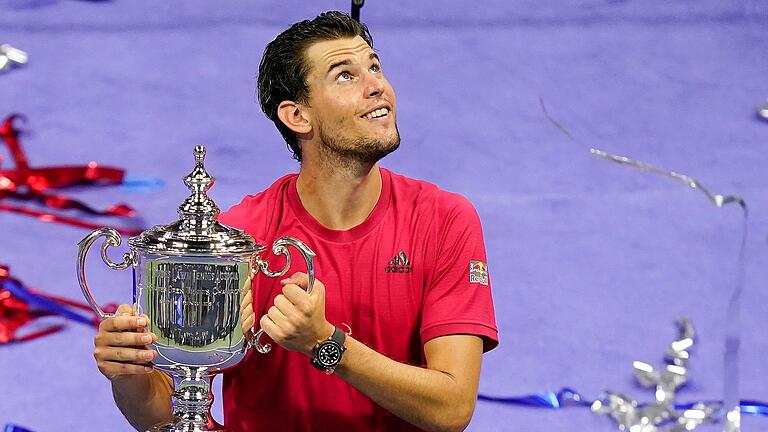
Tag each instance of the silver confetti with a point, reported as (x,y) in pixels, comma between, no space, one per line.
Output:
(699,414)
(661,415)
(11,58)
(762,111)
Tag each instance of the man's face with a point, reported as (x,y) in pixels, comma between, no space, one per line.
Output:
(352,105)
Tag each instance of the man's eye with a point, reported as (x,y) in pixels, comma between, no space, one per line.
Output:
(375,68)
(344,76)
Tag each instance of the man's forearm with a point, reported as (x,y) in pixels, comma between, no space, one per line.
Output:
(432,399)
(144,400)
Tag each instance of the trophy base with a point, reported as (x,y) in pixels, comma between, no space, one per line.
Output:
(188,427)
(191,401)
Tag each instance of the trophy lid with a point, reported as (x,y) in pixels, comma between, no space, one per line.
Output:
(197,232)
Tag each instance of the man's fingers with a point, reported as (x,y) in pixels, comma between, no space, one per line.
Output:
(284,305)
(120,323)
(124,355)
(302,280)
(247,323)
(299,278)
(279,319)
(247,317)
(121,345)
(246,307)
(124,339)
(124,309)
(246,312)
(248,296)
(295,294)
(112,369)
(271,329)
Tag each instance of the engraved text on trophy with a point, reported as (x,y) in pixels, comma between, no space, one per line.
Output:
(193,304)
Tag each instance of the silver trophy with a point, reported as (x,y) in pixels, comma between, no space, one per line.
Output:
(190,277)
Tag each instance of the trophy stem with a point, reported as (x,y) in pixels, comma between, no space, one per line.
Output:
(191,401)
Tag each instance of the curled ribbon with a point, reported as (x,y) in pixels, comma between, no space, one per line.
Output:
(26,183)
(20,306)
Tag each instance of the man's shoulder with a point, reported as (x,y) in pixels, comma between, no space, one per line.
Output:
(426,194)
(252,206)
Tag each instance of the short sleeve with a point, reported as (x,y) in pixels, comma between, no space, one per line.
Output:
(457,297)
(236,216)
(244,216)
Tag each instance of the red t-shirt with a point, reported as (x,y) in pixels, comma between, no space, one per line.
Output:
(414,270)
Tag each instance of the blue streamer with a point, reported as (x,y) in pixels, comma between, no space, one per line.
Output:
(142,184)
(14,428)
(563,398)
(43,303)
(569,397)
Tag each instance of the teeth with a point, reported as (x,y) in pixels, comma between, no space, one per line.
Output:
(377,113)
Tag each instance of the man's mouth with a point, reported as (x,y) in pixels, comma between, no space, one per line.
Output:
(377,113)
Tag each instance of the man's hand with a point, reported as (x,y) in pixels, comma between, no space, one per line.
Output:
(297,320)
(121,344)
(247,317)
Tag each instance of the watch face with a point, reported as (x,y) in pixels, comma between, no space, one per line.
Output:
(329,354)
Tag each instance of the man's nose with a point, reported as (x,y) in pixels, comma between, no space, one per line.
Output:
(375,86)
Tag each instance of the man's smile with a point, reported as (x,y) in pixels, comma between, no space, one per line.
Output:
(378,112)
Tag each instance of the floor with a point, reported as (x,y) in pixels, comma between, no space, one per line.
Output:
(591,262)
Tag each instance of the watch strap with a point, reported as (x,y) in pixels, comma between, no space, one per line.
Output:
(339,337)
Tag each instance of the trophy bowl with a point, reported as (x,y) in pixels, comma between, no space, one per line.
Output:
(190,278)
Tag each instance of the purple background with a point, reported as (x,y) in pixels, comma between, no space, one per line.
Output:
(590,262)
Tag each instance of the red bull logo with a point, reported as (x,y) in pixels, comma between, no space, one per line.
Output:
(478,272)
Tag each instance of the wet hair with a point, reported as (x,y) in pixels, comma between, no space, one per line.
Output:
(284,67)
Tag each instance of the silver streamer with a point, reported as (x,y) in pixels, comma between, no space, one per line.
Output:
(11,58)
(732,333)
(717,199)
(674,374)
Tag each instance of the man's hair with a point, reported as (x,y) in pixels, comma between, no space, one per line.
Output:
(284,67)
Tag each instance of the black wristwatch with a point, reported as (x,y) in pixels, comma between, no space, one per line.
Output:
(327,354)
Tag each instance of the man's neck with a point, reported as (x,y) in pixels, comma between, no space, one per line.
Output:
(339,198)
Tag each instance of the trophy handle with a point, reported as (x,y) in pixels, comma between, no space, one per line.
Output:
(279,248)
(112,239)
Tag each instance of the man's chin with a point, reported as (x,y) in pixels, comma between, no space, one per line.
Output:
(366,150)
(374,152)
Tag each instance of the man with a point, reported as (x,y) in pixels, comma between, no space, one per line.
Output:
(400,263)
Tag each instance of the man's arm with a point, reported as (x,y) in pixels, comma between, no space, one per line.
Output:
(122,355)
(144,400)
(440,397)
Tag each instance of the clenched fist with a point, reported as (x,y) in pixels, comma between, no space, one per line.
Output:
(297,320)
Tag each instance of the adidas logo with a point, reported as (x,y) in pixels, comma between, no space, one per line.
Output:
(399,264)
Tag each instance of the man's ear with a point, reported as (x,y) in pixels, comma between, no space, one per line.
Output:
(294,116)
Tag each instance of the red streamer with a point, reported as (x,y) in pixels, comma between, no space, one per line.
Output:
(32,184)
(15,313)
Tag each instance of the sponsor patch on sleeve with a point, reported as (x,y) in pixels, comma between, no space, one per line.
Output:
(478,272)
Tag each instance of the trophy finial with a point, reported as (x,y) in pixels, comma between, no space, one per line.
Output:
(198,211)
(199,154)
(196,231)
